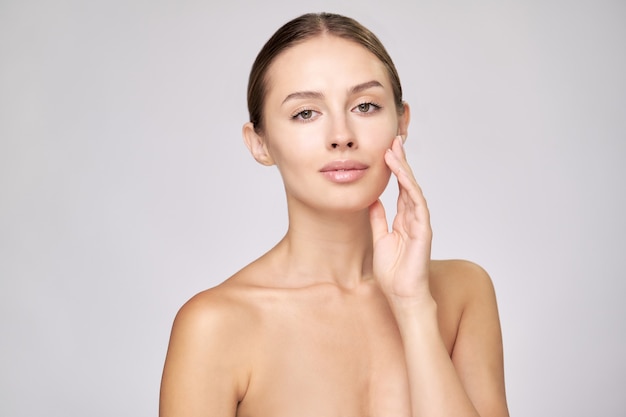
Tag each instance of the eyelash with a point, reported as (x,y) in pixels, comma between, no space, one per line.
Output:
(298,115)
(371,104)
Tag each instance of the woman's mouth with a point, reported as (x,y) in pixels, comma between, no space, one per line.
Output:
(344,171)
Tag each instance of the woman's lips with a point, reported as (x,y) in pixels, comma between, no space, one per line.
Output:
(344,171)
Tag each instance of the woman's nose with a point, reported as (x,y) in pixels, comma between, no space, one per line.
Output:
(338,144)
(341,135)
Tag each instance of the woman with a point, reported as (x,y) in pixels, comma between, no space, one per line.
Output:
(342,318)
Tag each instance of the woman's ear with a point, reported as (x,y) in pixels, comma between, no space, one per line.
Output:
(256,145)
(403,121)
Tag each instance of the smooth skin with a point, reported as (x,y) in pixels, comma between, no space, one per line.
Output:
(343,317)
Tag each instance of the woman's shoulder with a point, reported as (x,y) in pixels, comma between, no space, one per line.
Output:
(466,303)
(232,304)
(460,270)
(222,305)
(213,327)
(459,280)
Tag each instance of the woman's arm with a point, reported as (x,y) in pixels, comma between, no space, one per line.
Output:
(470,383)
(201,376)
(477,354)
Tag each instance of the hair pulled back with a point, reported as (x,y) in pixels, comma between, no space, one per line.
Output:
(300,29)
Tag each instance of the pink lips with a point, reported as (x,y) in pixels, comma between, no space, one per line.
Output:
(344,171)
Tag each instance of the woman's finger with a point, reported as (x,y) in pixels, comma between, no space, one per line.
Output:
(412,207)
(409,187)
(378,221)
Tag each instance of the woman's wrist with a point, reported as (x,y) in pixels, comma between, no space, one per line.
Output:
(413,307)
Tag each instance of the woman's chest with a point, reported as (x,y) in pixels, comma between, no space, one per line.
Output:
(344,361)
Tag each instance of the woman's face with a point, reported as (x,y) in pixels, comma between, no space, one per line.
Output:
(329,117)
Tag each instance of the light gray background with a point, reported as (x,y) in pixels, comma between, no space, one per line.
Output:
(125,187)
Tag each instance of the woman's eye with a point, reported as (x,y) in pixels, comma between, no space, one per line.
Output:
(304,115)
(367,107)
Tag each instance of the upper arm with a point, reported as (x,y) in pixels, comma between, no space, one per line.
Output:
(478,353)
(202,373)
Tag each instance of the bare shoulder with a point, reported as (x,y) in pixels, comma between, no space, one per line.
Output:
(466,295)
(206,371)
(228,312)
(220,319)
(218,307)
(465,298)
(460,280)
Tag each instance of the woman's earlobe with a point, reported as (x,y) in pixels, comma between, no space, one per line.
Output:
(256,145)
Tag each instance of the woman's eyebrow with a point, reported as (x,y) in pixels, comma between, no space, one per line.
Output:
(303,94)
(317,95)
(364,86)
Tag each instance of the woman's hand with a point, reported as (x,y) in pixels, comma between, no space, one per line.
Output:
(402,256)
(471,380)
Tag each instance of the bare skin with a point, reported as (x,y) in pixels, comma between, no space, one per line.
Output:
(345,317)
(319,350)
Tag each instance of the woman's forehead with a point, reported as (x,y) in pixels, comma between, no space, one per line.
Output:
(324,62)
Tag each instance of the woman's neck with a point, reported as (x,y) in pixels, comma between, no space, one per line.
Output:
(327,248)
